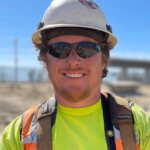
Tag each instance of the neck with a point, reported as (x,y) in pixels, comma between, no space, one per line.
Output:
(77,103)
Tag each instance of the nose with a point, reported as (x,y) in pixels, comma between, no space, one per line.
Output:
(73,59)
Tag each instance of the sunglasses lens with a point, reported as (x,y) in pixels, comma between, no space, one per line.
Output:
(83,49)
(59,50)
(88,49)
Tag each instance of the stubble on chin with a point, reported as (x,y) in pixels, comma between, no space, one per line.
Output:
(73,95)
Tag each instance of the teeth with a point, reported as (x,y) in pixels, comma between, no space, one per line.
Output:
(74,75)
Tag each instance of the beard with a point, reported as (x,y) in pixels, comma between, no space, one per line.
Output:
(73,94)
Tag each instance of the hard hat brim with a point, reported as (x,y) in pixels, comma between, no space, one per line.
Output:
(37,39)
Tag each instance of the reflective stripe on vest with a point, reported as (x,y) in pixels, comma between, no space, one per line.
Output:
(29,131)
(119,142)
(119,145)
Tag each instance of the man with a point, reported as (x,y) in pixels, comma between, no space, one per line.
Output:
(74,41)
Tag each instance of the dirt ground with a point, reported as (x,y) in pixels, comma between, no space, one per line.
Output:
(14,99)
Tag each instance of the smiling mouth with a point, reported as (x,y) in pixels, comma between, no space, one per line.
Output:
(74,75)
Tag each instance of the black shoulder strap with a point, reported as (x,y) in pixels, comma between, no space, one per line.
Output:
(46,119)
(108,126)
(121,117)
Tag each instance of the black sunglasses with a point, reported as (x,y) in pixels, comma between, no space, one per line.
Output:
(83,49)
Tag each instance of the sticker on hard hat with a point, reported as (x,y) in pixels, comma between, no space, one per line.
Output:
(89,3)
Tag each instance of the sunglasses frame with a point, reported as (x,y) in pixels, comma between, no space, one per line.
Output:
(84,49)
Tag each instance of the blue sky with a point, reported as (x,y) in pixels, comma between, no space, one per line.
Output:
(19,18)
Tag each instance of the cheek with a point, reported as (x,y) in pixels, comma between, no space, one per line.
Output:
(48,63)
(99,70)
(51,64)
(97,65)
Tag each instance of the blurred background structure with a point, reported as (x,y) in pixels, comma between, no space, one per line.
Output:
(119,69)
(24,80)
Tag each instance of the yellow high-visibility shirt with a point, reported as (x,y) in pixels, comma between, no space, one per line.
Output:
(79,128)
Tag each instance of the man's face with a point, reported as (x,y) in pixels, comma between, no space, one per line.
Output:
(74,78)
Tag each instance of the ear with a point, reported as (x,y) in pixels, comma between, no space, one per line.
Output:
(104,65)
(105,60)
(104,73)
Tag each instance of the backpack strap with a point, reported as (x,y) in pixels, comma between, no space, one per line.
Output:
(122,119)
(46,118)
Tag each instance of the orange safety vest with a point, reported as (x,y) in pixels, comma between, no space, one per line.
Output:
(29,128)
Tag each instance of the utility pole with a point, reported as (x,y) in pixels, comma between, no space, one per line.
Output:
(16,61)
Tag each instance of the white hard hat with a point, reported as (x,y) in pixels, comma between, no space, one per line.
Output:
(74,13)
